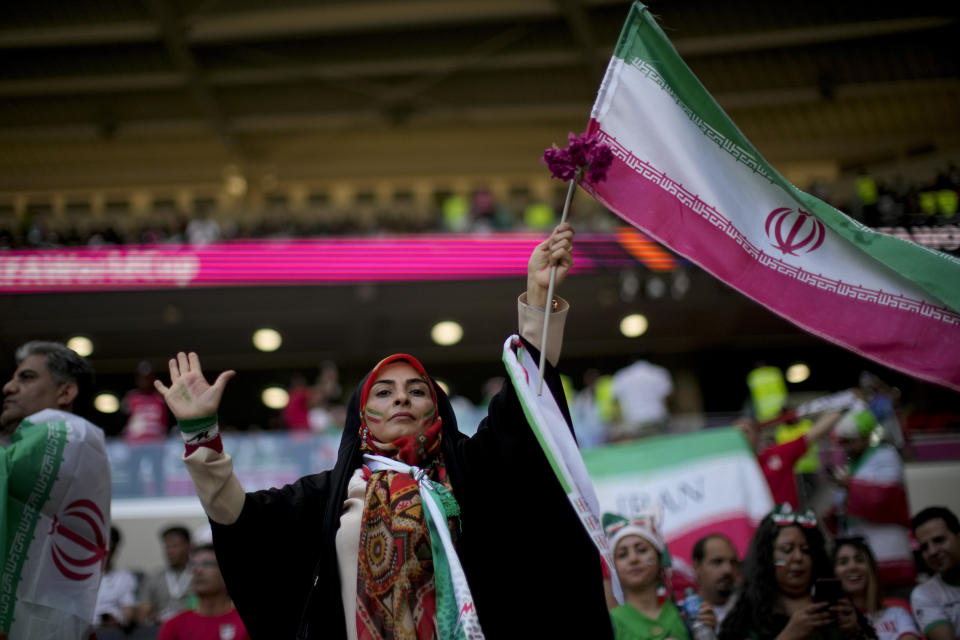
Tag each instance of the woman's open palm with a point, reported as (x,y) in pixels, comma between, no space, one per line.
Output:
(189,394)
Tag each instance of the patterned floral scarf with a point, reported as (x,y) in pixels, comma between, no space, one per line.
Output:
(396,594)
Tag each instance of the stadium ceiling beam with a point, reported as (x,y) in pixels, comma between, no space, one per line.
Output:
(285,21)
(175,40)
(284,71)
(577,19)
(269,124)
(804,36)
(206,27)
(784,97)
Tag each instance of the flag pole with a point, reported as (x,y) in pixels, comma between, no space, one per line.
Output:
(553,281)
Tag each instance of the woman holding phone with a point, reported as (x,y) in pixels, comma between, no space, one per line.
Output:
(786,559)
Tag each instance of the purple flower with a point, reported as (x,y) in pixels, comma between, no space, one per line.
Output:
(557,160)
(600,161)
(583,152)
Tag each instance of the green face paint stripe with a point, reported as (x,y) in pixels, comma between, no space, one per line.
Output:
(430,412)
(373,412)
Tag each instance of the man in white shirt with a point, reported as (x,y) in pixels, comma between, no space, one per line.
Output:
(641,390)
(116,600)
(936,602)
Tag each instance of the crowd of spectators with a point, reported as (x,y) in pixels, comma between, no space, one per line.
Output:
(875,202)
(858,567)
(796,580)
(898,203)
(480,212)
(184,600)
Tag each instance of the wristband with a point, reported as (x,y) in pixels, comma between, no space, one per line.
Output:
(196,431)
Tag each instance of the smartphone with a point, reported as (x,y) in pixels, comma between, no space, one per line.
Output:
(827,590)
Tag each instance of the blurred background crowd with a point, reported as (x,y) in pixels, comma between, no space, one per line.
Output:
(876,202)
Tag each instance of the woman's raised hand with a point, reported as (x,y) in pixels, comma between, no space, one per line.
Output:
(189,394)
(557,250)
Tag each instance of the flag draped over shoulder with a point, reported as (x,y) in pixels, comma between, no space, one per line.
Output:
(55,514)
(686,175)
(705,482)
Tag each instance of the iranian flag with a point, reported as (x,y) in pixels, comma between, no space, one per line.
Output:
(55,514)
(686,175)
(704,482)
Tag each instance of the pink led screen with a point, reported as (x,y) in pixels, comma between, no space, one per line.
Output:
(285,262)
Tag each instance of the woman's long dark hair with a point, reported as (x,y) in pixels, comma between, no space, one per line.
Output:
(874,594)
(759,590)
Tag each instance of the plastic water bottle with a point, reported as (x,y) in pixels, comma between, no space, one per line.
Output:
(691,607)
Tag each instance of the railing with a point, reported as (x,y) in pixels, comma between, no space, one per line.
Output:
(273,459)
(261,460)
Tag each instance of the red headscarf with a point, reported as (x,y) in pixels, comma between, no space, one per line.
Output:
(413,450)
(396,595)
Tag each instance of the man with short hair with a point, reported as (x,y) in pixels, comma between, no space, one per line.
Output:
(55,500)
(936,602)
(215,617)
(168,591)
(717,569)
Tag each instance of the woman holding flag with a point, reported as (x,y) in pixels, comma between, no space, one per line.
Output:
(416,531)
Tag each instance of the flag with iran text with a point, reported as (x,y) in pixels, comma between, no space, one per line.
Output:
(705,482)
(55,513)
(686,175)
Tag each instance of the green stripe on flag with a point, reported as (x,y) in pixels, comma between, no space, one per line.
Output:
(535,426)
(643,40)
(35,455)
(658,453)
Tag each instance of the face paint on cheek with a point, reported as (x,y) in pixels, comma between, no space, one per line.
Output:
(779,562)
(428,416)
(374,416)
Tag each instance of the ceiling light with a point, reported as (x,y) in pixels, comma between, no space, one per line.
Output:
(275,397)
(679,285)
(82,345)
(446,333)
(634,325)
(106,403)
(797,372)
(655,287)
(267,339)
(235,186)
